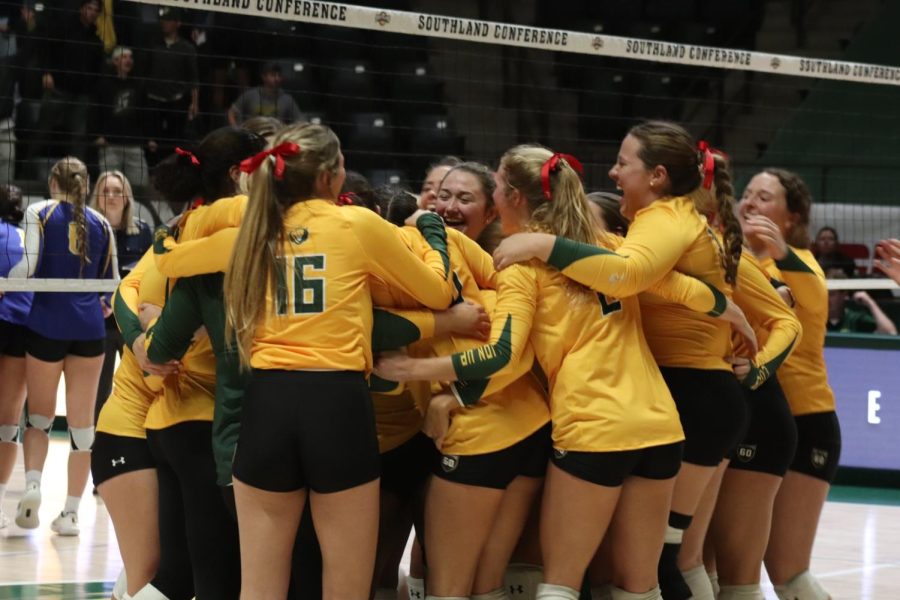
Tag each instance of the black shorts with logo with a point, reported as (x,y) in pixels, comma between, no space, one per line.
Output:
(610,469)
(114,455)
(770,443)
(818,445)
(527,458)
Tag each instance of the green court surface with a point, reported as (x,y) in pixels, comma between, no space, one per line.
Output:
(68,591)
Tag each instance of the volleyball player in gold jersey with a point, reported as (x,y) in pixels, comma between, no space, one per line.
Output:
(308,328)
(774,212)
(615,428)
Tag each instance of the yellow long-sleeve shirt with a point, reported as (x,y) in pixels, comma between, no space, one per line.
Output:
(665,236)
(606,392)
(777,329)
(125,411)
(322,317)
(803,376)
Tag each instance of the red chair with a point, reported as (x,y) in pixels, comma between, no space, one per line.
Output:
(860,254)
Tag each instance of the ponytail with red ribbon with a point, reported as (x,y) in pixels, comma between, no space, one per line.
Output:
(346,199)
(251,164)
(552,166)
(181,152)
(708,162)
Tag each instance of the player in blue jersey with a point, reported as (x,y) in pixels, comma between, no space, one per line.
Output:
(64,239)
(14,308)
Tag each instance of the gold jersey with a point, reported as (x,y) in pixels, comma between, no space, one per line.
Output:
(803,376)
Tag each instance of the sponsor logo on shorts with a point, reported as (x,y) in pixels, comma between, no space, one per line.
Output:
(449,463)
(819,458)
(559,453)
(746,452)
(117,462)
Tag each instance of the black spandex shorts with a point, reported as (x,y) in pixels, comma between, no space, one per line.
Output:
(771,439)
(114,455)
(49,350)
(307,429)
(527,458)
(818,445)
(405,468)
(712,410)
(610,469)
(12,339)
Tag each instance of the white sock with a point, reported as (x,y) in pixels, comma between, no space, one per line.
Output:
(620,594)
(72,504)
(802,587)
(522,580)
(741,592)
(714,582)
(549,591)
(32,477)
(498,594)
(415,587)
(698,581)
(120,589)
(385,594)
(601,592)
(148,592)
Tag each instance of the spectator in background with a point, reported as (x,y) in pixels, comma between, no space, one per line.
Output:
(888,261)
(112,197)
(267,100)
(827,250)
(70,58)
(859,315)
(173,88)
(8,56)
(120,116)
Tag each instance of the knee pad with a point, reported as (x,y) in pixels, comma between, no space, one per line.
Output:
(741,592)
(601,592)
(120,589)
(620,594)
(9,433)
(802,587)
(522,580)
(549,591)
(81,438)
(698,580)
(41,422)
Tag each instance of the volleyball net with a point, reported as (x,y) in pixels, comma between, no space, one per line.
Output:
(407,82)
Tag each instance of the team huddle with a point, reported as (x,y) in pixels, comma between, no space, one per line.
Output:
(565,395)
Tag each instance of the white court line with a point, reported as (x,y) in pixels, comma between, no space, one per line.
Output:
(863,569)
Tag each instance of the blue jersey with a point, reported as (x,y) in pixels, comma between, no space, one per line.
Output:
(14,306)
(51,251)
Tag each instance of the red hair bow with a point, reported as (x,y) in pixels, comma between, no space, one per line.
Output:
(708,161)
(182,152)
(552,166)
(346,199)
(251,164)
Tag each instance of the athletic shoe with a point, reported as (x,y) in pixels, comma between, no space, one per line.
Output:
(4,520)
(27,511)
(66,524)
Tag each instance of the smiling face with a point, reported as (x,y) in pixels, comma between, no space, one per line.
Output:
(639,184)
(463,204)
(765,196)
(428,193)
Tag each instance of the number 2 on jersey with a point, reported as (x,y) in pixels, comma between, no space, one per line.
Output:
(609,305)
(307,293)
